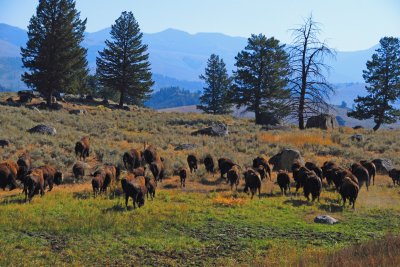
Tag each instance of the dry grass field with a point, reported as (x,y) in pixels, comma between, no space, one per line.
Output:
(205,223)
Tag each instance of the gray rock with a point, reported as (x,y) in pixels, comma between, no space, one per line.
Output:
(268,118)
(383,166)
(216,129)
(325,219)
(285,159)
(322,121)
(185,147)
(43,129)
(357,137)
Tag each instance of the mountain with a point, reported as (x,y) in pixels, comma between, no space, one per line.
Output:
(177,57)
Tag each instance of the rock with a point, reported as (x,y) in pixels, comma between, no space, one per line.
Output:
(78,111)
(4,143)
(357,137)
(10,100)
(43,129)
(26,96)
(185,147)
(268,118)
(56,106)
(105,102)
(322,121)
(357,127)
(383,166)
(285,159)
(89,98)
(216,129)
(325,219)
(126,108)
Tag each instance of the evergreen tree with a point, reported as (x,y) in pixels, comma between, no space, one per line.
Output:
(261,77)
(215,96)
(123,65)
(383,79)
(53,55)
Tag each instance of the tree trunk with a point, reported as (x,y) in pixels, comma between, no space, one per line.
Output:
(49,98)
(301,110)
(258,116)
(121,99)
(378,125)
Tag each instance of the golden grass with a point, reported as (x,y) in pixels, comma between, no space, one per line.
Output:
(298,139)
(227,201)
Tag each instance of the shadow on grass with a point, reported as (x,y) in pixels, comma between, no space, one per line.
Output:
(82,195)
(170,186)
(206,181)
(297,202)
(117,208)
(15,199)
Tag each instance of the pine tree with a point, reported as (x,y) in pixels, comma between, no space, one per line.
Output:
(215,96)
(53,55)
(123,65)
(261,77)
(383,79)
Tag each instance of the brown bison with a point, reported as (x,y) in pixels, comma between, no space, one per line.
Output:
(34,184)
(51,176)
(132,159)
(134,187)
(260,160)
(327,171)
(209,163)
(313,167)
(300,176)
(283,180)
(112,175)
(395,175)
(361,173)
(24,165)
(8,175)
(371,168)
(157,169)
(182,176)
(78,170)
(261,170)
(313,186)
(252,181)
(140,171)
(150,154)
(82,148)
(349,190)
(98,180)
(151,186)
(192,162)
(233,176)
(224,166)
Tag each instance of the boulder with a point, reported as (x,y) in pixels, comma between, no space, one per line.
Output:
(89,98)
(43,129)
(325,219)
(357,137)
(268,118)
(322,121)
(285,159)
(185,146)
(4,143)
(105,102)
(383,166)
(357,127)
(216,129)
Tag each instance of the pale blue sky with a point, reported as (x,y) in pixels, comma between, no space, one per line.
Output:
(348,25)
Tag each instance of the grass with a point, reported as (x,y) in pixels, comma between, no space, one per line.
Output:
(203,224)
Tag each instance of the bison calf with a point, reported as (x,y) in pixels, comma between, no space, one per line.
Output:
(192,162)
(82,148)
(34,184)
(151,186)
(395,175)
(78,170)
(182,176)
(8,175)
(233,176)
(209,164)
(313,186)
(283,180)
(349,190)
(253,182)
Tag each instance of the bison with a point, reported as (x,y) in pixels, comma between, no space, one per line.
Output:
(326,171)
(261,160)
(300,176)
(51,176)
(233,176)
(224,166)
(140,171)
(151,186)
(78,170)
(192,162)
(82,148)
(157,169)
(134,187)
(8,175)
(313,186)
(371,168)
(361,173)
(182,176)
(98,180)
(209,163)
(34,184)
(395,175)
(313,167)
(349,190)
(283,180)
(252,181)
(150,154)
(132,159)
(24,166)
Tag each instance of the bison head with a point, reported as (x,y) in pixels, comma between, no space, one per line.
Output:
(58,177)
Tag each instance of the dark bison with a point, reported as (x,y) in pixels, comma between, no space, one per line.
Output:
(313,167)
(51,176)
(337,174)
(395,175)
(134,187)
(132,159)
(349,190)
(371,168)
(209,163)
(326,170)
(140,171)
(78,170)
(252,181)
(261,160)
(82,148)
(157,169)
(261,170)
(192,162)
(233,176)
(361,173)
(8,175)
(98,180)
(313,186)
(300,176)
(34,184)
(150,154)
(151,186)
(182,176)
(24,166)
(225,165)
(283,180)
(112,175)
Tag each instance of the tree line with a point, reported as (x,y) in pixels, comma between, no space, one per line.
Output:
(270,79)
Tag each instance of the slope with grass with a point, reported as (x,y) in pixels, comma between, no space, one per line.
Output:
(202,224)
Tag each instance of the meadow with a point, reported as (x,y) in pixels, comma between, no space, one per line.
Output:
(205,223)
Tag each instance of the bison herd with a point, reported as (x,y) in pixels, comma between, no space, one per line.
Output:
(136,185)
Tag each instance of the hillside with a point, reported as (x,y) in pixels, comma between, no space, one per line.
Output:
(204,223)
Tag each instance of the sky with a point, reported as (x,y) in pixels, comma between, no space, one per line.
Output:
(348,25)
